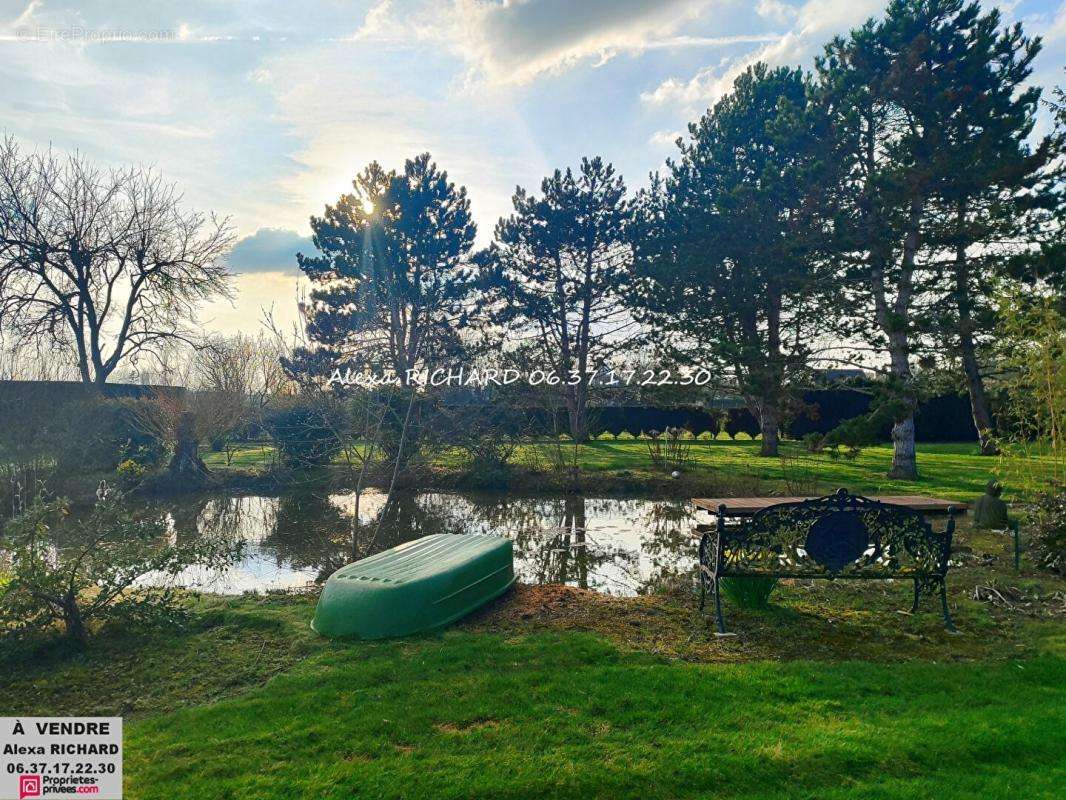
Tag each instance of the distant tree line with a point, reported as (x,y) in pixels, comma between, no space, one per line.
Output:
(882,201)
(942,418)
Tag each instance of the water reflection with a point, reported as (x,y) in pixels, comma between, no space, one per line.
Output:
(615,546)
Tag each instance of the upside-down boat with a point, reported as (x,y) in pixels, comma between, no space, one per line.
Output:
(417,586)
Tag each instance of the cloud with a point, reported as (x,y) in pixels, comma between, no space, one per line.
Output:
(269,250)
(664,138)
(514,41)
(815,22)
(379,23)
(776,10)
(1056,28)
(347,105)
(188,22)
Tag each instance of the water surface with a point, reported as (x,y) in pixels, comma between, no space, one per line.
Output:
(610,545)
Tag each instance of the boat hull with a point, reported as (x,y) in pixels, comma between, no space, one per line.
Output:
(416,586)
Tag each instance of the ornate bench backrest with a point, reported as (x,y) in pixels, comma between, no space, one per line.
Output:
(840,535)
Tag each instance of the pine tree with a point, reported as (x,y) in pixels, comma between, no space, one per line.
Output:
(991,186)
(393,272)
(558,274)
(732,243)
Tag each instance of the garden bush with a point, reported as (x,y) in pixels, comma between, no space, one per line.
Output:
(853,435)
(1049,529)
(488,434)
(671,449)
(814,442)
(306,434)
(73,571)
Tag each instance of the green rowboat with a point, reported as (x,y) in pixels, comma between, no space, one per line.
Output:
(415,586)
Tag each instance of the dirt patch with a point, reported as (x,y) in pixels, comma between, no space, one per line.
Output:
(808,620)
(473,725)
(550,603)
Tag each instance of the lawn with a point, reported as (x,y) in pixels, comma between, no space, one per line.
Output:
(568,715)
(735,467)
(558,692)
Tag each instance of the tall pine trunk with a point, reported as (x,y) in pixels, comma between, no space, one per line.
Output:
(577,418)
(982,417)
(904,458)
(975,385)
(895,322)
(577,412)
(769,427)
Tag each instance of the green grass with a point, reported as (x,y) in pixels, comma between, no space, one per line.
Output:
(558,692)
(568,715)
(949,470)
(550,713)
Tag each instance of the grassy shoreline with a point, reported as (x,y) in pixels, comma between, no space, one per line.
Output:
(717,468)
(559,692)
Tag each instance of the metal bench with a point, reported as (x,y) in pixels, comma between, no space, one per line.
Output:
(837,536)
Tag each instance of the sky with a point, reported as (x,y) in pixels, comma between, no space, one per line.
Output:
(264,111)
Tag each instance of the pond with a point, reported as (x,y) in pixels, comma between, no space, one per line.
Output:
(610,545)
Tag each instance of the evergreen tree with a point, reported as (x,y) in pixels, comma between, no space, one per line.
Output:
(732,243)
(991,186)
(558,274)
(887,86)
(393,272)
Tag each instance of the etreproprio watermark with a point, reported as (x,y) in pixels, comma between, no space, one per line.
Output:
(77,33)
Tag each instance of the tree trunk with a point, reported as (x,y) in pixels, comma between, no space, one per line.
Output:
(186,464)
(982,417)
(577,415)
(904,460)
(771,389)
(768,426)
(73,622)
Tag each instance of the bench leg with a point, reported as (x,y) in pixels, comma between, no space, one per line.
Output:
(917,595)
(718,608)
(948,622)
(703,590)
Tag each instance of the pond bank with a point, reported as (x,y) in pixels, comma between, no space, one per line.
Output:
(532,699)
(560,691)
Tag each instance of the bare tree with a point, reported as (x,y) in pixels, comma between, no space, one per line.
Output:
(230,382)
(248,367)
(104,264)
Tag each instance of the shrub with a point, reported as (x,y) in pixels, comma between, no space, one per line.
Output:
(54,433)
(77,571)
(749,592)
(814,442)
(402,422)
(671,449)
(306,435)
(853,435)
(130,473)
(1049,529)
